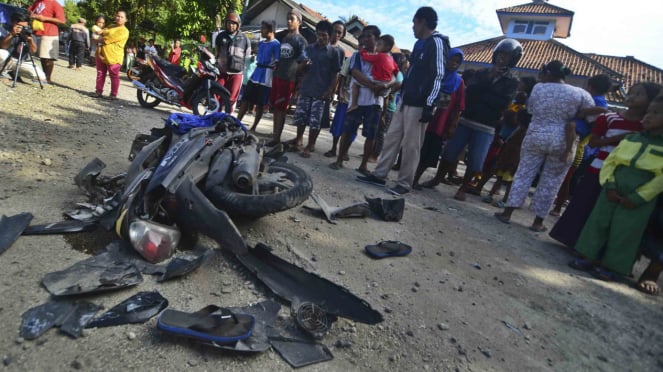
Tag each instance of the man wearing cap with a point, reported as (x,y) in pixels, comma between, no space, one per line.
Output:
(232,50)
(293,52)
(80,42)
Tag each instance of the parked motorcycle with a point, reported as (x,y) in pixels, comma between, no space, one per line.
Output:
(192,175)
(158,81)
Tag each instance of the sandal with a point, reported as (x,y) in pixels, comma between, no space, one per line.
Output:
(499,204)
(604,274)
(365,172)
(487,199)
(580,264)
(538,229)
(335,166)
(502,218)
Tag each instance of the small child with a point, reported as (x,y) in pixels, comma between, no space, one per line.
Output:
(384,66)
(608,131)
(632,178)
(508,159)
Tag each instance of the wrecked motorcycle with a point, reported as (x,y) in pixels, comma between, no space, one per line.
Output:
(194,173)
(158,81)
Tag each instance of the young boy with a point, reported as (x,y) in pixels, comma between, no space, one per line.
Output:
(318,83)
(632,178)
(260,82)
(384,67)
(293,52)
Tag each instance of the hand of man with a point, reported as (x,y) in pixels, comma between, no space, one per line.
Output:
(426,114)
(613,196)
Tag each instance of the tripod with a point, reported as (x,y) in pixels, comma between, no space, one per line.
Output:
(23,48)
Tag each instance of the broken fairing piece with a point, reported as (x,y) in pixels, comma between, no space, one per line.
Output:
(70,316)
(295,284)
(11,228)
(96,274)
(179,266)
(63,227)
(354,210)
(138,308)
(300,353)
(387,209)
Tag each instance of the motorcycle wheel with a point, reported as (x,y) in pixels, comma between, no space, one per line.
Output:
(282,186)
(220,102)
(146,100)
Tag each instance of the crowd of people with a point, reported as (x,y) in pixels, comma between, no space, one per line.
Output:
(527,132)
(417,112)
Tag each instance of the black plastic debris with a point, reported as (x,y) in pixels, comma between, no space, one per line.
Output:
(182,265)
(99,273)
(11,228)
(62,227)
(138,308)
(70,316)
(298,286)
(300,353)
(353,210)
(387,209)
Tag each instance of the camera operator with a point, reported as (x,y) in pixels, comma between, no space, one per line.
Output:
(20,36)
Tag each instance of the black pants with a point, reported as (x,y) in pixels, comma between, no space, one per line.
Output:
(76,53)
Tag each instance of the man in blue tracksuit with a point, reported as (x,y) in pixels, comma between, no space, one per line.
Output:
(421,89)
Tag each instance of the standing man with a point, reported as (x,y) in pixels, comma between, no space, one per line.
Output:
(111,55)
(80,42)
(233,48)
(369,101)
(488,93)
(293,52)
(50,14)
(420,91)
(321,74)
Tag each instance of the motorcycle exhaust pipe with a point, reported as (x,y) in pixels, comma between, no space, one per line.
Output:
(147,90)
(246,171)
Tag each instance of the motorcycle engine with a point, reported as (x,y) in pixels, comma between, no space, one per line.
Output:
(172,95)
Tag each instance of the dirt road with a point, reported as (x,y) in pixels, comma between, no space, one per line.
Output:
(474,295)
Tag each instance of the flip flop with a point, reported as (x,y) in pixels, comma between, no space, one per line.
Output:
(603,274)
(501,217)
(538,229)
(388,248)
(335,166)
(211,323)
(365,172)
(580,264)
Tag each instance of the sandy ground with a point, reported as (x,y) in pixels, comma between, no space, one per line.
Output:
(474,295)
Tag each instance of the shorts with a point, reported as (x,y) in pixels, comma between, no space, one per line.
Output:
(48,47)
(256,93)
(369,116)
(309,112)
(279,96)
(339,118)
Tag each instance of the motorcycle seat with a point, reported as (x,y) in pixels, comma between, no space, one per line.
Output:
(171,69)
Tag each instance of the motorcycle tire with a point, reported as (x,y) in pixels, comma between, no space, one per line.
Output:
(220,103)
(146,100)
(297,187)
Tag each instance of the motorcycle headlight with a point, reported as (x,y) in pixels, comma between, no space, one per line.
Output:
(153,241)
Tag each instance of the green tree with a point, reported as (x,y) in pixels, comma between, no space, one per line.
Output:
(71,12)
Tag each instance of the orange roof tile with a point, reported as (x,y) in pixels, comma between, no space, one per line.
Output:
(536,7)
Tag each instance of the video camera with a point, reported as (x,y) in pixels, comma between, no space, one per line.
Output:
(26,33)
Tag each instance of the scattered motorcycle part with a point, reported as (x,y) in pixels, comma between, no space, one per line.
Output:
(11,228)
(312,319)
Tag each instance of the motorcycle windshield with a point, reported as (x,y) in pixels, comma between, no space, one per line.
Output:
(178,157)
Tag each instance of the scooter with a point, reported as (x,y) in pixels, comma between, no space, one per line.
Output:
(158,81)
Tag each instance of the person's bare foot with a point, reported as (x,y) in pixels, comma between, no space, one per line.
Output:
(430,184)
(649,287)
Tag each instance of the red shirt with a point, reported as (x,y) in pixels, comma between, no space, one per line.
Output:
(610,125)
(175,55)
(441,118)
(51,9)
(383,65)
